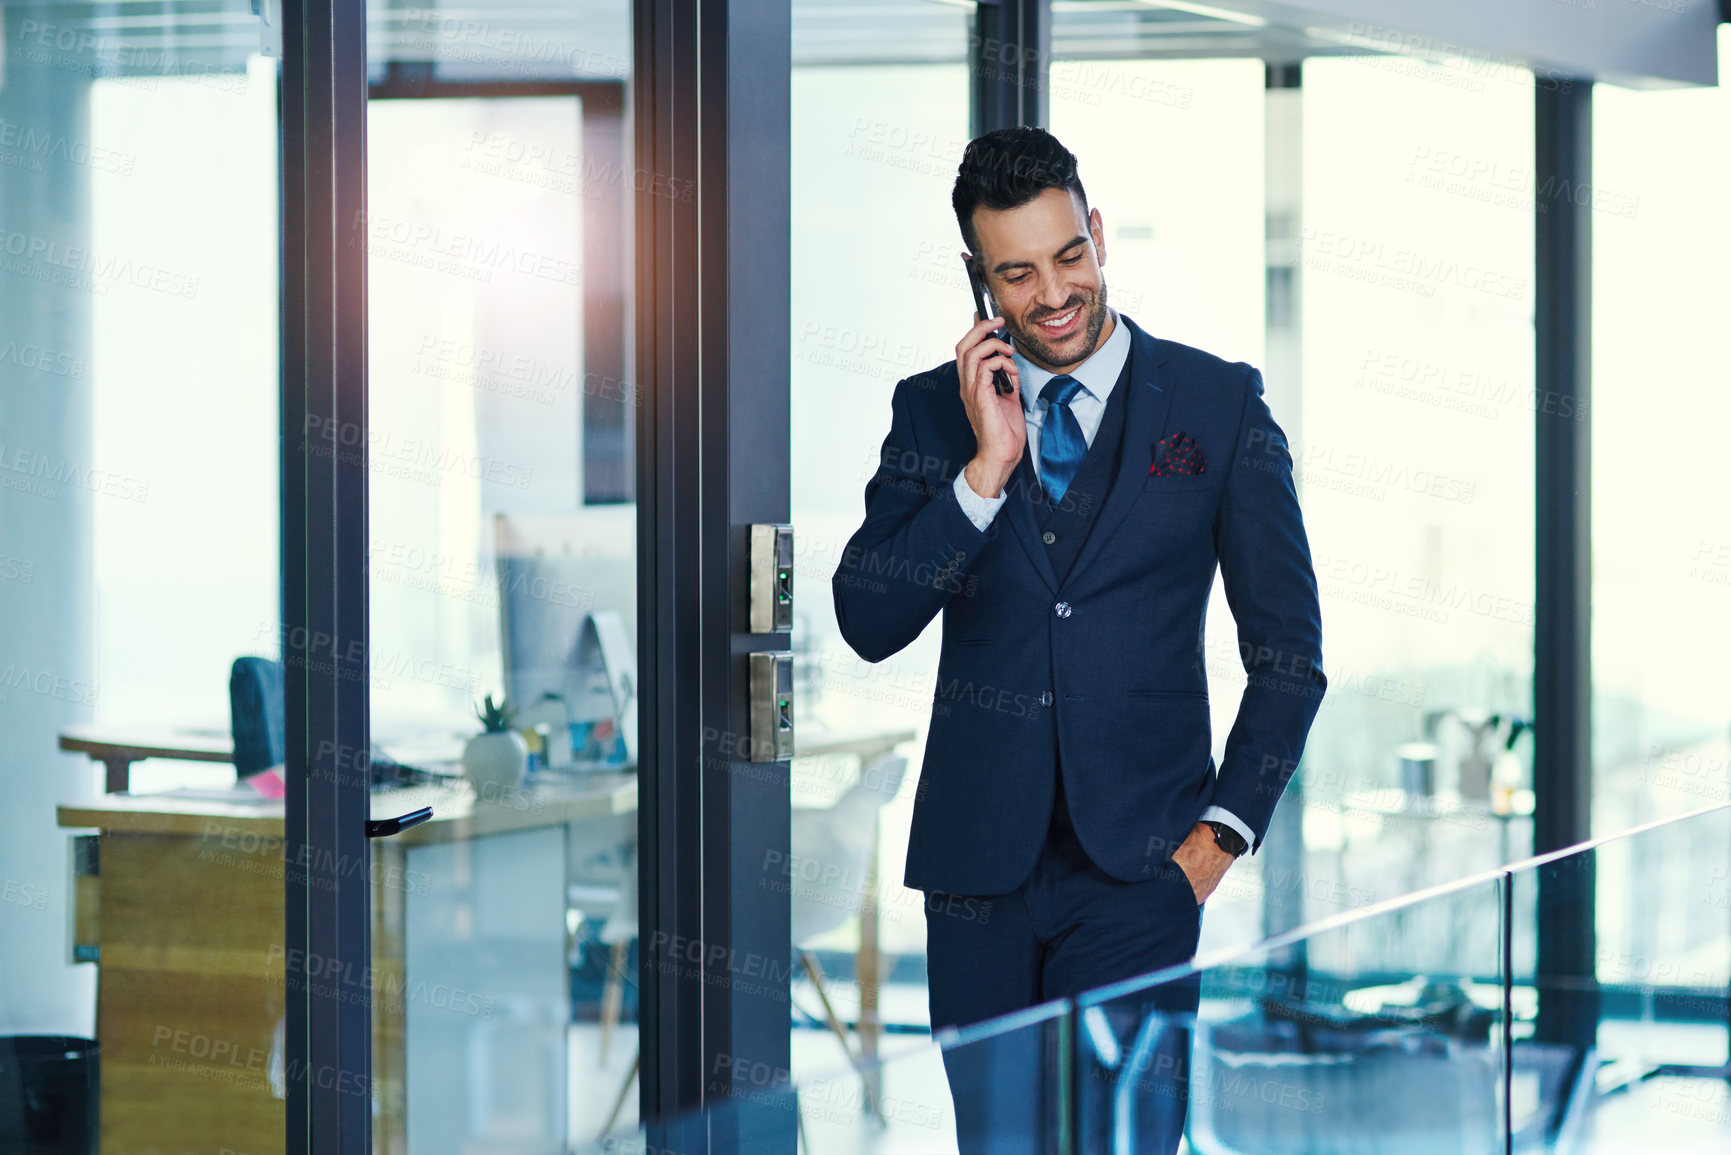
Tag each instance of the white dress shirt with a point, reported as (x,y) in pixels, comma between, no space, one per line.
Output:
(1097,375)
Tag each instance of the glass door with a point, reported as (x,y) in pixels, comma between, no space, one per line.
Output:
(502,575)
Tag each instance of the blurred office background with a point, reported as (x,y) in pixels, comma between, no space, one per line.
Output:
(1358,222)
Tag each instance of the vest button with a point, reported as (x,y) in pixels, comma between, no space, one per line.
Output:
(1048,537)
(1045,697)
(1062,609)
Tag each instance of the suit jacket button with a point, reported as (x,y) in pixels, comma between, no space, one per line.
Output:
(1048,537)
(1045,697)
(1062,609)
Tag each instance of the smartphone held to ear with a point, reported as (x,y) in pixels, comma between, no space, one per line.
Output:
(1000,379)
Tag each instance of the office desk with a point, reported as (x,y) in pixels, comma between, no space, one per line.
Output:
(186,919)
(469,958)
(118,749)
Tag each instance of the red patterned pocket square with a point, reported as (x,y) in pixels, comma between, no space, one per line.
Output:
(1177,456)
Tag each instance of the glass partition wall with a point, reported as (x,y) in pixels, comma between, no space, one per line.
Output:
(556,592)
(1416,466)
(143,958)
(502,561)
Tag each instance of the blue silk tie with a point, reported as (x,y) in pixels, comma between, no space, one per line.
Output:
(1061,441)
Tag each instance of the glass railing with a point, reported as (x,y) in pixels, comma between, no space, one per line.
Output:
(1573,1002)
(1620,954)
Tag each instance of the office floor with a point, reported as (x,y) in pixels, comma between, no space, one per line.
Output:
(918,1116)
(916,1094)
(1680,1116)
(595,1085)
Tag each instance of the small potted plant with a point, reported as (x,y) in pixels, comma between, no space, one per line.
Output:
(497,758)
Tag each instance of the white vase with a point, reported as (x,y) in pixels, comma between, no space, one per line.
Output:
(495,763)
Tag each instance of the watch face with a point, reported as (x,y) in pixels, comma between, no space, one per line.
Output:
(1228,839)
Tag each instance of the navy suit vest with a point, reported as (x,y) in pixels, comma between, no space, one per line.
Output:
(1064,527)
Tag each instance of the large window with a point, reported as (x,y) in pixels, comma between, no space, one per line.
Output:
(1661,521)
(1171,154)
(1415,465)
(183,367)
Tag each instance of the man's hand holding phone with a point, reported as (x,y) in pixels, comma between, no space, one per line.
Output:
(1000,429)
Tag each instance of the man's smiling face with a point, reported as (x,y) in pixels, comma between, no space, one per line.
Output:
(1042,263)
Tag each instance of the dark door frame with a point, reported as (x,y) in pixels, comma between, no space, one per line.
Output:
(328,1046)
(711,106)
(1563,536)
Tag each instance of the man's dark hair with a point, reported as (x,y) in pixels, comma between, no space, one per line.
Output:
(1008,168)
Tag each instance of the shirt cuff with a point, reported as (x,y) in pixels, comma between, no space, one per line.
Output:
(980,510)
(1221,814)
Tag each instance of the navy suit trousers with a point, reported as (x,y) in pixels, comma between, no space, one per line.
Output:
(1068,929)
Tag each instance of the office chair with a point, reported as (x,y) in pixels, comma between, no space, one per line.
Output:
(255,713)
(839,841)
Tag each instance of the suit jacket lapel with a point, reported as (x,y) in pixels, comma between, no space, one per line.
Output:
(1144,417)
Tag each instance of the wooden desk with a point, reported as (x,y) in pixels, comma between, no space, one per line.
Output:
(188,924)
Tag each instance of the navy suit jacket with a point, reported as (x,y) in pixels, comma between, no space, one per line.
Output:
(1106,667)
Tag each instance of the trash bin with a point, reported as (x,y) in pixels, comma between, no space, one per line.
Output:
(48,1095)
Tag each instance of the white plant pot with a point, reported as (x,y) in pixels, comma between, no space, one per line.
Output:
(496,763)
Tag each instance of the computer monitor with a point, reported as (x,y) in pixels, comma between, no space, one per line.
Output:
(568,596)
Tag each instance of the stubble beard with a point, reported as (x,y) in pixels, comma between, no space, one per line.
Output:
(1032,343)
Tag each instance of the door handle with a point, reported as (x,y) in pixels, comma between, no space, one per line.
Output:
(385,827)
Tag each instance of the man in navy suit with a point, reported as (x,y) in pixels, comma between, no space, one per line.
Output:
(1070,821)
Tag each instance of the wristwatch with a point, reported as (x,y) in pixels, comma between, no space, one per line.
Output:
(1227,838)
